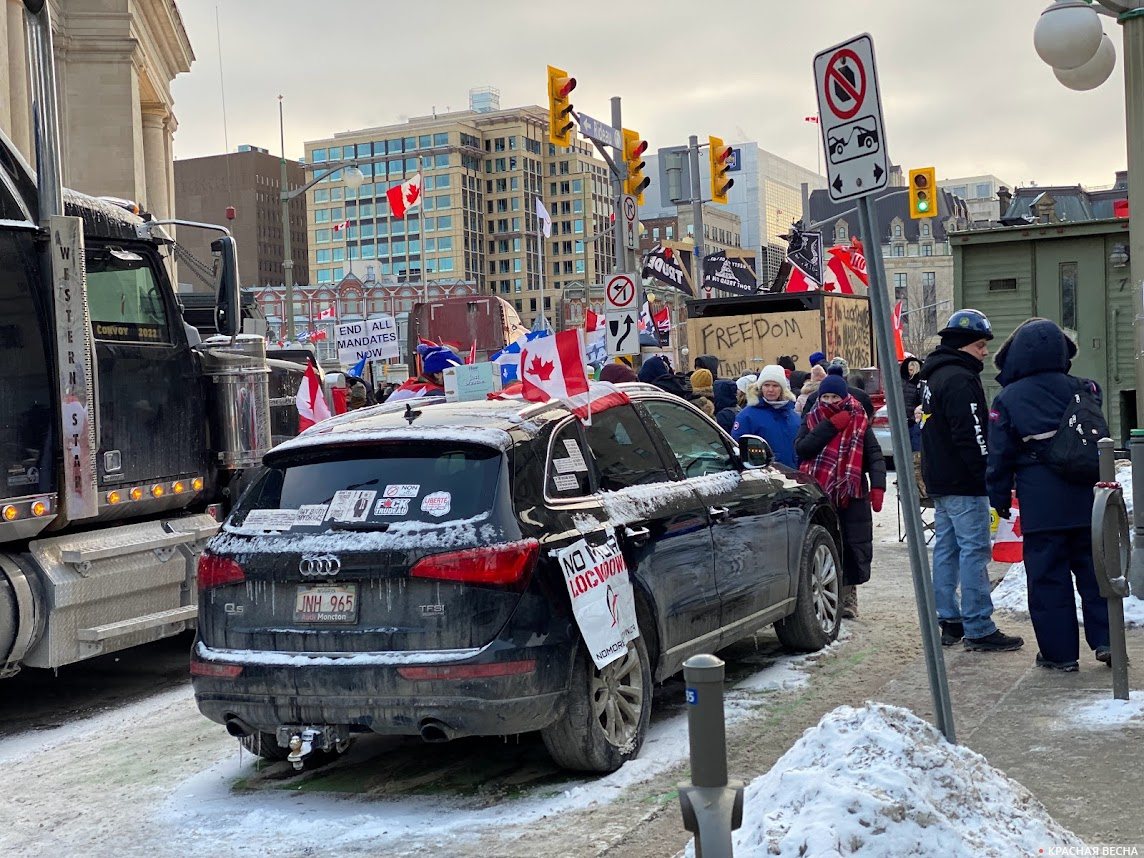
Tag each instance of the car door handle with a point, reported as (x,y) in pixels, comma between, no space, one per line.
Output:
(718,512)
(638,535)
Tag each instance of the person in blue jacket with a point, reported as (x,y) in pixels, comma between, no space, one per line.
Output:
(770,414)
(1056,515)
(726,403)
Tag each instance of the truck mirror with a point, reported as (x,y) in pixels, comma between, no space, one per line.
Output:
(228,308)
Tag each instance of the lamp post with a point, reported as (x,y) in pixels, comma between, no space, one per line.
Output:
(353,177)
(1069,37)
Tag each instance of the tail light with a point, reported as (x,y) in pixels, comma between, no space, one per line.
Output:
(882,422)
(215,571)
(507,565)
(219,671)
(468,671)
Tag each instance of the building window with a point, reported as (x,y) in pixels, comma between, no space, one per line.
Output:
(898,250)
(840,234)
(929,300)
(925,229)
(927,249)
(897,230)
(983,191)
(901,281)
(1068,276)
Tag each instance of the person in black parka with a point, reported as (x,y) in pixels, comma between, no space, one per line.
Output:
(910,370)
(1056,515)
(655,371)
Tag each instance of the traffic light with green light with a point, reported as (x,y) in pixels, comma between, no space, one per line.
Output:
(636,181)
(560,124)
(720,156)
(923,193)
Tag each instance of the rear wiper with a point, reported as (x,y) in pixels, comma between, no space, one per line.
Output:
(375,526)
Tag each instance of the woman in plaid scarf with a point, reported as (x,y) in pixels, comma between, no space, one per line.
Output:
(836,446)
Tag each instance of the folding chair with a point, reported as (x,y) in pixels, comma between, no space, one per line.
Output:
(925,502)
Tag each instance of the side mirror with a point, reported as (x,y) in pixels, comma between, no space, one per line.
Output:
(755,452)
(228,309)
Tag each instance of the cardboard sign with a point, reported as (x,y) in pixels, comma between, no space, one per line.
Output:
(471,382)
(746,343)
(602,598)
(848,330)
(373,338)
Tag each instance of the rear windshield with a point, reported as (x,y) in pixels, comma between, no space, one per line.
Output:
(357,490)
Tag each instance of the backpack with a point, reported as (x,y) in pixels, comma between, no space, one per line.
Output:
(1072,452)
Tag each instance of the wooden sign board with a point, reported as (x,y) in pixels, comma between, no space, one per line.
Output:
(746,343)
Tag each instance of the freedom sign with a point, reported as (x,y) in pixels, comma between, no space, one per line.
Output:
(374,338)
(602,599)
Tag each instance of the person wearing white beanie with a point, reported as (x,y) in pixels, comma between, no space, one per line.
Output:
(770,414)
(777,375)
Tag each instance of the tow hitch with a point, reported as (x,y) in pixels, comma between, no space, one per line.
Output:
(303,741)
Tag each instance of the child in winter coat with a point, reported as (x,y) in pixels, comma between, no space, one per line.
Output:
(770,414)
(836,446)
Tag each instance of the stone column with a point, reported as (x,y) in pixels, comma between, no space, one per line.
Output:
(156,164)
(20,128)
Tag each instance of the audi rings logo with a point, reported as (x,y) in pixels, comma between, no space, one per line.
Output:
(319,565)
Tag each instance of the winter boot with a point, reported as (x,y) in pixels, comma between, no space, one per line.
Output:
(952,631)
(1063,666)
(849,602)
(997,641)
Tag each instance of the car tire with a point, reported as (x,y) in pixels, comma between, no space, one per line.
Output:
(593,734)
(264,745)
(818,611)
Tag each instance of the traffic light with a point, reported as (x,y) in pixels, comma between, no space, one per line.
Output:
(923,193)
(720,163)
(636,181)
(560,123)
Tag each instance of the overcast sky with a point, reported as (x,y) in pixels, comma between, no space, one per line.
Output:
(962,87)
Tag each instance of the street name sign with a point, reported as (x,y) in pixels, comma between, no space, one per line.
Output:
(602,133)
(853,130)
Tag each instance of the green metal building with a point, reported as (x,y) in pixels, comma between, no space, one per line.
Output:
(1075,272)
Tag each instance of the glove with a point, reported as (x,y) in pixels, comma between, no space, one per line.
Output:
(1004,513)
(876,497)
(841,420)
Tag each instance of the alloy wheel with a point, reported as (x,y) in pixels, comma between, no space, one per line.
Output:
(617,698)
(825,587)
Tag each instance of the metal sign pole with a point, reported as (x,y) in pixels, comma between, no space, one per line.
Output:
(907,487)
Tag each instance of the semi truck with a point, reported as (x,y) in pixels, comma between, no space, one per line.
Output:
(124,436)
(460,321)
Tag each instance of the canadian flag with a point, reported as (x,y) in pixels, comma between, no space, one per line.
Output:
(338,227)
(896,322)
(312,406)
(327,314)
(405,196)
(813,119)
(553,368)
(593,322)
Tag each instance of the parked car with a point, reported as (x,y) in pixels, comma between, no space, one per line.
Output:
(881,426)
(406,571)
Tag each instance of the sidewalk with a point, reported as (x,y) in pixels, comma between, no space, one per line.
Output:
(1023,720)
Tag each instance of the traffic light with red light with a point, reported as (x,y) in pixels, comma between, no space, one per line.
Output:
(720,156)
(923,193)
(560,124)
(634,149)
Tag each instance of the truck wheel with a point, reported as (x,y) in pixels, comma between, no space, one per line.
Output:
(265,745)
(607,716)
(817,614)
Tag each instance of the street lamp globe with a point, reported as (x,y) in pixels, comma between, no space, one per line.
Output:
(353,177)
(1067,34)
(1093,73)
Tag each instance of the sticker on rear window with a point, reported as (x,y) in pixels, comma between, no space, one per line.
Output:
(437,504)
(350,506)
(311,515)
(271,519)
(565,482)
(575,456)
(563,466)
(401,491)
(392,506)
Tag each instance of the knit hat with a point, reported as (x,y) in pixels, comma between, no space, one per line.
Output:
(957,339)
(744,381)
(834,382)
(774,372)
(617,373)
(840,361)
(816,358)
(702,384)
(357,395)
(436,359)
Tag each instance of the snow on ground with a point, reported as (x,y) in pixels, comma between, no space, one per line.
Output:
(1012,594)
(879,781)
(1105,712)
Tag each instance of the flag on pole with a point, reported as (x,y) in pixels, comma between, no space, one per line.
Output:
(593,322)
(338,227)
(553,368)
(813,119)
(896,321)
(508,358)
(405,196)
(329,313)
(545,218)
(358,368)
(472,358)
(317,335)
(312,407)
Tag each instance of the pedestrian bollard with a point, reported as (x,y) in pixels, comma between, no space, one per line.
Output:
(1111,555)
(712,807)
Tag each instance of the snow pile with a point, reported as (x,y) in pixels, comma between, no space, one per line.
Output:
(1124,477)
(879,781)
(1012,594)
(1108,712)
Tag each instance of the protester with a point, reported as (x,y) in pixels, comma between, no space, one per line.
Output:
(839,367)
(708,362)
(703,391)
(910,372)
(787,363)
(797,379)
(817,359)
(726,403)
(431,382)
(770,414)
(836,446)
(810,386)
(954,435)
(1056,515)
(357,398)
(655,371)
(617,373)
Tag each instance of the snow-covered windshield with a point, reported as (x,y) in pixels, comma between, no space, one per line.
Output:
(372,488)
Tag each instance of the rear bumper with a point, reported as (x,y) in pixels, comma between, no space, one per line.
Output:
(367,693)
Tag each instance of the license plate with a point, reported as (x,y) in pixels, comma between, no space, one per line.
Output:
(326,604)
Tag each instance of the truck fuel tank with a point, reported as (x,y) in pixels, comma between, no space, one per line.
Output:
(239,398)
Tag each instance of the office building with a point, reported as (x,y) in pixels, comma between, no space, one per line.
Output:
(249,181)
(980,195)
(482,170)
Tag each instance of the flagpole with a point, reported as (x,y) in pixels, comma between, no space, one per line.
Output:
(540,242)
